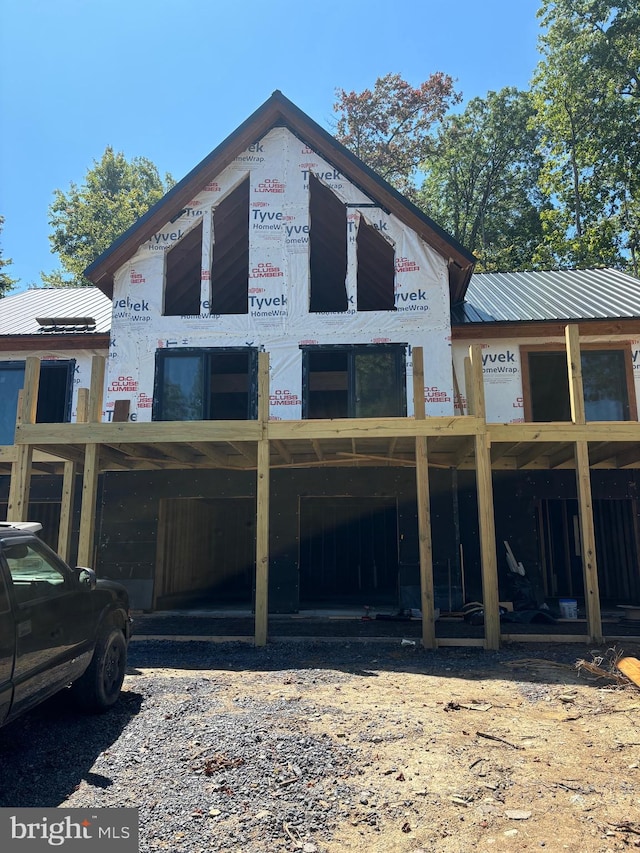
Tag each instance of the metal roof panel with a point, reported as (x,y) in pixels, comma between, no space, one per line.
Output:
(554,295)
(18,312)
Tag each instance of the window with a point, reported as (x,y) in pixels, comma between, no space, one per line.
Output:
(230,261)
(54,394)
(606,376)
(376,270)
(328,249)
(183,262)
(33,575)
(358,381)
(208,384)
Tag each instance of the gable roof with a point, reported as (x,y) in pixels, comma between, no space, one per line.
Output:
(554,295)
(274,112)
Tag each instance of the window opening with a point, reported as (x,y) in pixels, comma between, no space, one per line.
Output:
(183,264)
(604,379)
(356,382)
(206,385)
(376,270)
(54,394)
(230,253)
(328,249)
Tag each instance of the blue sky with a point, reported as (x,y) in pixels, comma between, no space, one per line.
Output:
(170,80)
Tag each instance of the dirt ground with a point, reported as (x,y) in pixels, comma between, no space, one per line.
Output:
(530,753)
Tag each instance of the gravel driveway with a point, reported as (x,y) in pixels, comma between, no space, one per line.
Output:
(224,747)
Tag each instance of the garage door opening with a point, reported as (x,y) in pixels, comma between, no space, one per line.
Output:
(348,552)
(206,553)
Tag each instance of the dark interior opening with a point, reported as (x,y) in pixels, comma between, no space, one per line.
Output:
(206,551)
(183,264)
(328,249)
(376,270)
(328,395)
(54,392)
(348,551)
(230,262)
(230,385)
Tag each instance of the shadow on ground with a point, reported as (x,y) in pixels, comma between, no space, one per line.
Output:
(45,754)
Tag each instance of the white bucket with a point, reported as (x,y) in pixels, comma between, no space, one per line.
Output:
(568,608)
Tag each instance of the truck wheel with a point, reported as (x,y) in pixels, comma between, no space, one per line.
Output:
(99,687)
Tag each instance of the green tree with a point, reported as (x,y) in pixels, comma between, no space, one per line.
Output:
(481,180)
(6,282)
(87,219)
(588,104)
(388,126)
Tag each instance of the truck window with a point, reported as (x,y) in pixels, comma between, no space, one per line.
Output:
(33,575)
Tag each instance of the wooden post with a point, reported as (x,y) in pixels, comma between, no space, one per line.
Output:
(424,508)
(66,510)
(262,506)
(91,466)
(486,520)
(18,506)
(583,483)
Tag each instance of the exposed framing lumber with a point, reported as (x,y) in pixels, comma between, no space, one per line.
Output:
(317,449)
(262,501)
(220,459)
(486,521)
(91,466)
(18,505)
(282,451)
(66,510)
(583,477)
(425,547)
(247,451)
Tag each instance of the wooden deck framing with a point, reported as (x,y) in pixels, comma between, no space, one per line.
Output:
(460,441)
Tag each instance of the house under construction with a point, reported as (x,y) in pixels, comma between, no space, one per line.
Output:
(307,400)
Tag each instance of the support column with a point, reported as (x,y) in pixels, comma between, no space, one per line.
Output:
(486,519)
(19,488)
(66,510)
(583,483)
(262,506)
(424,508)
(91,467)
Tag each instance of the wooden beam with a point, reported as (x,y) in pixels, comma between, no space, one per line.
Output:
(89,500)
(17,508)
(535,452)
(574,368)
(96,389)
(221,459)
(583,477)
(486,520)
(500,450)
(66,510)
(628,457)
(91,464)
(262,502)
(247,451)
(283,452)
(317,449)
(425,549)
(588,544)
(21,469)
(396,461)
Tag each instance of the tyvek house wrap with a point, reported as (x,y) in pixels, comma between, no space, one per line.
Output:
(278,318)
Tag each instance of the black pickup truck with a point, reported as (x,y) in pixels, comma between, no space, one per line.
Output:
(58,627)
